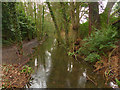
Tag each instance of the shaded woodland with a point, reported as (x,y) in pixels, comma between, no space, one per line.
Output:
(87,30)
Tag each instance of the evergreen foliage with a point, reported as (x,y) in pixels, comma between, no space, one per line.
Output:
(99,43)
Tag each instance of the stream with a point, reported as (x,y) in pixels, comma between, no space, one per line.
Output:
(55,69)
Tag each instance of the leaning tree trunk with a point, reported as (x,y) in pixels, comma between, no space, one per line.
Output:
(94,17)
(108,10)
(66,23)
(59,39)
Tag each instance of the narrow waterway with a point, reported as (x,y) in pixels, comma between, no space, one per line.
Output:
(57,70)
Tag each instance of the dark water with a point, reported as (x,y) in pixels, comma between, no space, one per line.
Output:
(57,70)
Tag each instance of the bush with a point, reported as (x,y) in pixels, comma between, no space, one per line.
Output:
(92,57)
(16,25)
(27,26)
(83,30)
(98,43)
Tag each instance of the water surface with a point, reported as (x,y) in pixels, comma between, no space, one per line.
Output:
(55,69)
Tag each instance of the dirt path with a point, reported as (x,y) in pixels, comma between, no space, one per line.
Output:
(9,55)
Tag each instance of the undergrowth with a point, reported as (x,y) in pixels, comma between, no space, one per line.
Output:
(83,31)
(98,44)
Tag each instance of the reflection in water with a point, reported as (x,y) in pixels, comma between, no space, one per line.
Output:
(48,61)
(54,42)
(113,85)
(40,77)
(57,70)
(35,62)
(82,80)
(70,66)
(51,49)
(48,53)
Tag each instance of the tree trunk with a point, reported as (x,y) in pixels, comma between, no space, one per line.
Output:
(72,14)
(55,23)
(66,23)
(43,20)
(77,16)
(108,10)
(94,17)
(30,9)
(35,17)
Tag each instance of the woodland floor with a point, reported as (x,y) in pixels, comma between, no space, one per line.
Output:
(14,76)
(109,67)
(13,64)
(10,54)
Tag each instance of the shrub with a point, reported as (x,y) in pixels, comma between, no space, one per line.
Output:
(92,57)
(83,31)
(100,42)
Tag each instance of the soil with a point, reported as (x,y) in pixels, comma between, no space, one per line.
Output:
(10,54)
(13,63)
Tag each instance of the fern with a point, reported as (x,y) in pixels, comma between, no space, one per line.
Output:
(98,43)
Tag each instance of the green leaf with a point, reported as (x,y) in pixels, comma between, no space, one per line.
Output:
(117,81)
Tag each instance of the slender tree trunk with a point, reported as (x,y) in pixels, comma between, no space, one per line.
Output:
(43,20)
(30,9)
(39,22)
(35,15)
(72,14)
(77,15)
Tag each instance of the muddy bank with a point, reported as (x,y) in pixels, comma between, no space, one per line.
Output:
(108,66)
(10,55)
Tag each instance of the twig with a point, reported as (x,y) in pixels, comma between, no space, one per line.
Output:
(91,80)
(110,54)
(100,68)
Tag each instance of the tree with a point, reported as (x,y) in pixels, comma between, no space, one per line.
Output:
(108,10)
(105,16)
(43,19)
(66,23)
(75,14)
(55,23)
(15,23)
(94,17)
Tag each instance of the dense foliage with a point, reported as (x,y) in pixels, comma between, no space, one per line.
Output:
(91,40)
(83,31)
(99,43)
(16,23)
